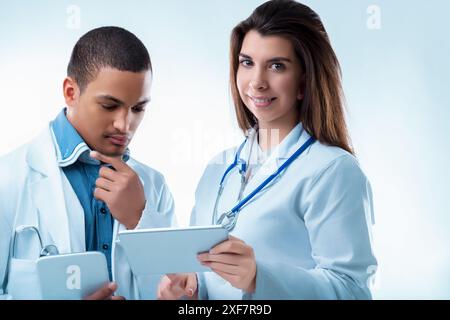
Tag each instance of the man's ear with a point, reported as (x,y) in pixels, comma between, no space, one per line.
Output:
(301,89)
(71,91)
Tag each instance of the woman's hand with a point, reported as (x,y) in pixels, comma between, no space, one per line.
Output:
(234,261)
(174,286)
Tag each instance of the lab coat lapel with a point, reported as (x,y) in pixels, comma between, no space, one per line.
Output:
(47,191)
(75,215)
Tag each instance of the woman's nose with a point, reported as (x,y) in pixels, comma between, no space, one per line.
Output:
(258,82)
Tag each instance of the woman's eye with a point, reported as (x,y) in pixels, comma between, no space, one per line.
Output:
(246,63)
(277,67)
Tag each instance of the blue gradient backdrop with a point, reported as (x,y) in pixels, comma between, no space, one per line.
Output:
(396,80)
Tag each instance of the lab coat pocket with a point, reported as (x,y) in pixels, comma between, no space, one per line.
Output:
(23,280)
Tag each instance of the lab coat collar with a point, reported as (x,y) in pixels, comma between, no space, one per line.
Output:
(47,190)
(283,151)
(293,141)
(279,155)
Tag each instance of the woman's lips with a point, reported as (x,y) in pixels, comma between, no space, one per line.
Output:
(261,102)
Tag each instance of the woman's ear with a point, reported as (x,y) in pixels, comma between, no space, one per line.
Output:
(301,89)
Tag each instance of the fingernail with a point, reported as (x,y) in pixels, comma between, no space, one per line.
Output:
(112,286)
(190,292)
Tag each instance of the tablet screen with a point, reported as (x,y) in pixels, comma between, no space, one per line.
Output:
(169,250)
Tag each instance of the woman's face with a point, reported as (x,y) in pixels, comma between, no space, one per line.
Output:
(269,80)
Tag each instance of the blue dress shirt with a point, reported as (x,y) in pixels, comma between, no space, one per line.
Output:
(82,171)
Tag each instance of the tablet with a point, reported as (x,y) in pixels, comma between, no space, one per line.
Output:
(72,276)
(169,250)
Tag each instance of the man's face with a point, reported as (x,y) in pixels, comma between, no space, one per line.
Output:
(109,110)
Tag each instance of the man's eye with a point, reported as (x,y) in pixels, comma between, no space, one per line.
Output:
(138,109)
(246,63)
(108,106)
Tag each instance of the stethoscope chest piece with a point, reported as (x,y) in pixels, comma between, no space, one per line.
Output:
(228,220)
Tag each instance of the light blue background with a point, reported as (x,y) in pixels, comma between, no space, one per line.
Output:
(396,81)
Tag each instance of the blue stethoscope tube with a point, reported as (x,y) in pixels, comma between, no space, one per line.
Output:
(228,219)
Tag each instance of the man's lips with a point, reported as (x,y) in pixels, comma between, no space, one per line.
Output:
(118,140)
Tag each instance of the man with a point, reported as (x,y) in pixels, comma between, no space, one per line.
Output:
(76,182)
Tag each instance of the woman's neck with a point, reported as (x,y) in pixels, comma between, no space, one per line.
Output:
(270,135)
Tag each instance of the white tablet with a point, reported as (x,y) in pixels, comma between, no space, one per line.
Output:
(72,276)
(169,250)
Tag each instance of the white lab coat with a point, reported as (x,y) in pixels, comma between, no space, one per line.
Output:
(35,191)
(310,228)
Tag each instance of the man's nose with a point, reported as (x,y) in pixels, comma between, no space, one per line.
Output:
(122,120)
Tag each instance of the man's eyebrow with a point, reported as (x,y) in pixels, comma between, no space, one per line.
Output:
(145,101)
(111,98)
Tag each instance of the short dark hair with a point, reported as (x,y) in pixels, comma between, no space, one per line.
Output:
(111,47)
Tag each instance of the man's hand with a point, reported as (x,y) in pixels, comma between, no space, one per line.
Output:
(234,261)
(105,293)
(121,190)
(174,286)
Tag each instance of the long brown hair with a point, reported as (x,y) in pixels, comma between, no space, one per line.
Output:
(322,107)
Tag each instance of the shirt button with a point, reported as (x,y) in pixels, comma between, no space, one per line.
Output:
(103,210)
(105,247)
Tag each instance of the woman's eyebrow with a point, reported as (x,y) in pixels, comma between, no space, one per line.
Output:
(243,55)
(275,59)
(280,59)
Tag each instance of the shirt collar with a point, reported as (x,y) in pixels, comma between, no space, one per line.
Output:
(70,146)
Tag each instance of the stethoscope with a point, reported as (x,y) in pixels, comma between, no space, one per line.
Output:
(48,250)
(228,219)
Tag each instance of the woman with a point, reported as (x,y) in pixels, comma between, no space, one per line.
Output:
(301,208)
